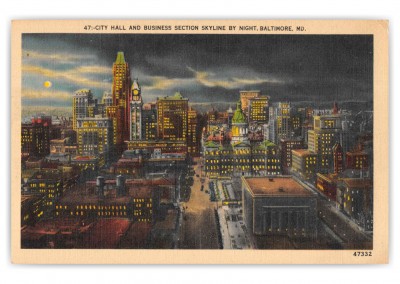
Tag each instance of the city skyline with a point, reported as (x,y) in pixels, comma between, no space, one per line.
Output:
(134,168)
(296,68)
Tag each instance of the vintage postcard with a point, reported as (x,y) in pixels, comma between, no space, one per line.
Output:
(199,142)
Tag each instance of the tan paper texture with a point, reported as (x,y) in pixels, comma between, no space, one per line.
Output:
(29,63)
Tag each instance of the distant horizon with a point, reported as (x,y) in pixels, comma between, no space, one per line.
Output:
(29,111)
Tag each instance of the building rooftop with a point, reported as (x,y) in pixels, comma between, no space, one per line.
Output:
(297,139)
(58,140)
(83,92)
(120,58)
(248,91)
(358,183)
(110,196)
(275,186)
(301,152)
(265,144)
(136,236)
(356,153)
(84,158)
(261,97)
(328,177)
(169,223)
(176,97)
(96,118)
(25,198)
(105,233)
(238,116)
(48,175)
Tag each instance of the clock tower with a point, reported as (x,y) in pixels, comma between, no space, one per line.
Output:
(136,112)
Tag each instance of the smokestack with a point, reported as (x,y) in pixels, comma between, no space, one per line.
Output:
(100,183)
(120,185)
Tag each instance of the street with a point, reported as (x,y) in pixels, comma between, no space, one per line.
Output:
(198,225)
(351,236)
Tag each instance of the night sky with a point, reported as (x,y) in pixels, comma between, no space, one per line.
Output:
(204,68)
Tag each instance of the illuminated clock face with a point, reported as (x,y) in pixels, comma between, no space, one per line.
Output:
(135,92)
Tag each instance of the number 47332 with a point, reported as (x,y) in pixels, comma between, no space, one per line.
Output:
(362,253)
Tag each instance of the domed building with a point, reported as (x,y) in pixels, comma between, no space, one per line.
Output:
(239,125)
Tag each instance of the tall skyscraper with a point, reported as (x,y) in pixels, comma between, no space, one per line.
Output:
(286,146)
(95,137)
(283,120)
(116,113)
(245,96)
(149,122)
(258,109)
(121,89)
(326,132)
(337,158)
(193,137)
(172,115)
(107,99)
(35,137)
(136,112)
(81,102)
(230,116)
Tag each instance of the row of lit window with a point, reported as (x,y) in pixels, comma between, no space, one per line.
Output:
(107,213)
(136,200)
(100,207)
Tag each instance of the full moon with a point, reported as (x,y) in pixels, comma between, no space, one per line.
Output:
(47,84)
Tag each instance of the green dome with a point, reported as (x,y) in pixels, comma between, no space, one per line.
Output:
(238,116)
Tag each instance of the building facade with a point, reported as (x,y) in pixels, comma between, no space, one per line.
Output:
(327,185)
(258,109)
(95,137)
(121,91)
(357,160)
(286,146)
(338,163)
(193,137)
(82,102)
(136,105)
(245,96)
(326,132)
(35,137)
(279,206)
(355,198)
(149,124)
(304,163)
(283,120)
(172,116)
(240,126)
(241,159)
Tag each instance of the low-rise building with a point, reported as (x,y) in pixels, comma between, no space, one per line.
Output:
(304,163)
(327,184)
(119,200)
(355,198)
(32,208)
(241,159)
(357,160)
(286,146)
(95,137)
(49,183)
(279,206)
(155,148)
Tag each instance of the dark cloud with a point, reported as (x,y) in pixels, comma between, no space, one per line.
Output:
(217,67)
